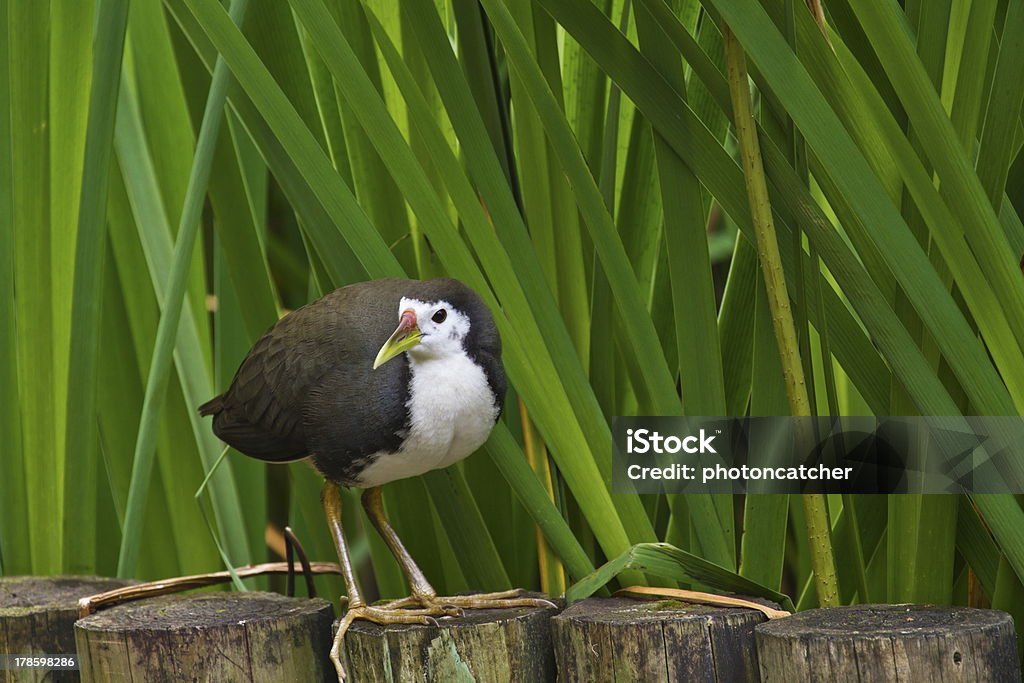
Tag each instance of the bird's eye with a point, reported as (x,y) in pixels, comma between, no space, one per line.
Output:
(439,316)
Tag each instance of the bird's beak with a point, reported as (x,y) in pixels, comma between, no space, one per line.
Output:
(406,336)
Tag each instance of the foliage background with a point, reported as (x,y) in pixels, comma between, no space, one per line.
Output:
(573,160)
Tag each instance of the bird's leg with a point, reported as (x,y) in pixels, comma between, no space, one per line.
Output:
(418,584)
(357,607)
(423,594)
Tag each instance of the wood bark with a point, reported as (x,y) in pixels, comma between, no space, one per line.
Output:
(868,643)
(484,646)
(224,637)
(624,639)
(37,617)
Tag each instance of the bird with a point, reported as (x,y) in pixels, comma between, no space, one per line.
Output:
(367,402)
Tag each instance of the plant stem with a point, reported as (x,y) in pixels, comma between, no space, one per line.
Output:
(552,574)
(816,512)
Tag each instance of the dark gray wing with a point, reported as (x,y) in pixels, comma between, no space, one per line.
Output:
(307,386)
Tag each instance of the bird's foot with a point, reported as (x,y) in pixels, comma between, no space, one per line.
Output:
(381,614)
(452,605)
(424,609)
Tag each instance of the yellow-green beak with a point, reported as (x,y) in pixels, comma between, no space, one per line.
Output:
(406,336)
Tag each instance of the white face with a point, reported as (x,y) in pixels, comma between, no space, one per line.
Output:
(443,328)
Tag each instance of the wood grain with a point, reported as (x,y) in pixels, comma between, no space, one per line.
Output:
(622,639)
(208,637)
(37,617)
(869,643)
(484,646)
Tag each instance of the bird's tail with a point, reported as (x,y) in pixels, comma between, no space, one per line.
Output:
(213,406)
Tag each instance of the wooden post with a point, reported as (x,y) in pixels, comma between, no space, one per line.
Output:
(483,645)
(623,639)
(37,617)
(890,642)
(208,637)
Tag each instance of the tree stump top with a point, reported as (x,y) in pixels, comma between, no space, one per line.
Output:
(37,617)
(658,640)
(23,595)
(484,645)
(886,621)
(201,610)
(470,618)
(880,643)
(252,637)
(633,610)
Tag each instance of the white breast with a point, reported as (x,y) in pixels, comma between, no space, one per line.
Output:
(452,412)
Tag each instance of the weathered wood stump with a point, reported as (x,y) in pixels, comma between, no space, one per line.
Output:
(868,643)
(623,639)
(208,637)
(37,617)
(483,645)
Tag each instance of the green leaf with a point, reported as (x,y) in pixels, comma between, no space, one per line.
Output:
(462,523)
(15,553)
(639,329)
(662,559)
(699,357)
(720,175)
(1002,115)
(508,458)
(974,210)
(155,235)
(27,47)
(81,469)
(173,305)
(179,468)
(295,141)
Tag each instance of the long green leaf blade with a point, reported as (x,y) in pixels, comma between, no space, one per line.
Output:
(81,468)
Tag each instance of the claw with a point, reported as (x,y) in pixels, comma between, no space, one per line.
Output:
(452,610)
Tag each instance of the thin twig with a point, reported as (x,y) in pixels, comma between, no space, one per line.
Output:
(91,604)
(293,542)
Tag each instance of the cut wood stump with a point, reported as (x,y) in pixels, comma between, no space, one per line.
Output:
(624,639)
(37,617)
(867,643)
(482,645)
(208,637)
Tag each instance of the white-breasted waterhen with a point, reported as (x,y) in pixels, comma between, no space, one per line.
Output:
(336,382)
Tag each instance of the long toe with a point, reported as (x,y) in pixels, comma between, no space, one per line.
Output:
(381,614)
(428,604)
(500,595)
(387,614)
(479,602)
(499,600)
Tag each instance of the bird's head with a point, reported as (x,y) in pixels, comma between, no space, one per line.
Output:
(426,329)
